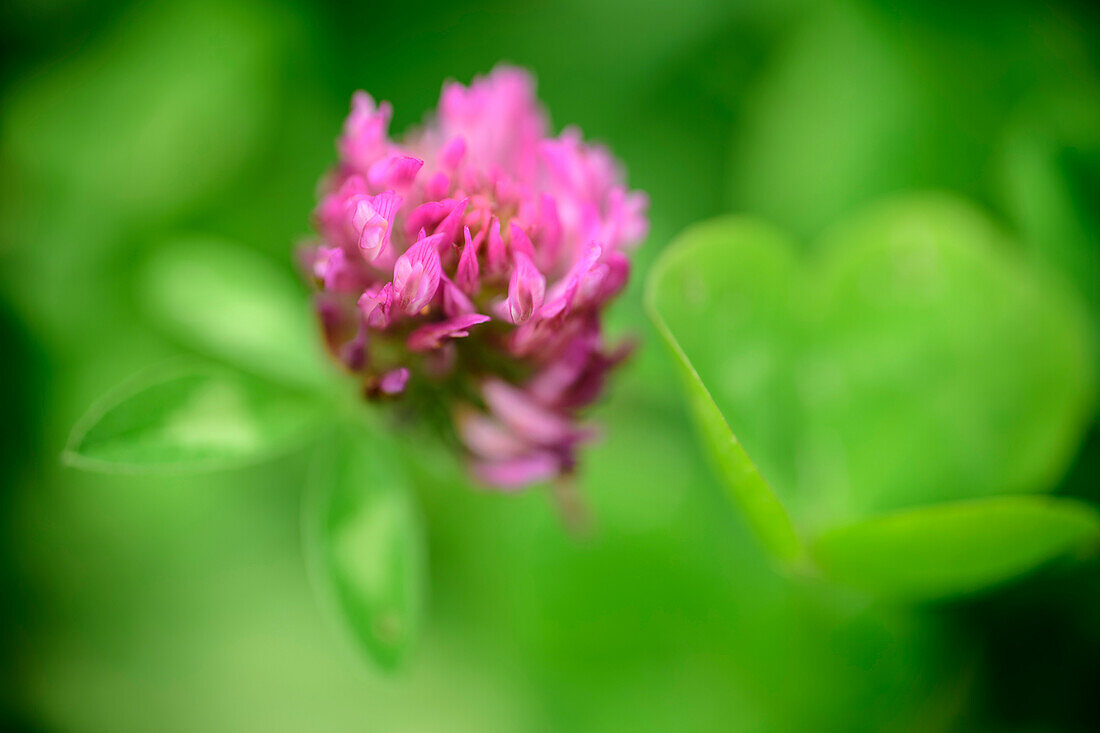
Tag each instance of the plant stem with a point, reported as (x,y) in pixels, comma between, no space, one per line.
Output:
(572,509)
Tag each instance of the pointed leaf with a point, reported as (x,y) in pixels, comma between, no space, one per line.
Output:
(187,418)
(748,487)
(233,303)
(953,548)
(365,543)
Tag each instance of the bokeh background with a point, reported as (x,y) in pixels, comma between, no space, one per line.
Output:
(182,604)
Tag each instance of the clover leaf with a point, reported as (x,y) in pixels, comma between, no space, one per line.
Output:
(906,360)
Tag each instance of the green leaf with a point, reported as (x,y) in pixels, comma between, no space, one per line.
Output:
(365,544)
(186,418)
(944,550)
(912,360)
(235,304)
(938,365)
(747,486)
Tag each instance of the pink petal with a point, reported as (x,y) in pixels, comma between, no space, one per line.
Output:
(497,255)
(521,244)
(466,275)
(366,132)
(520,412)
(416,275)
(455,302)
(375,305)
(437,186)
(431,336)
(450,225)
(394,381)
(353,354)
(331,214)
(518,473)
(397,170)
(526,289)
(372,219)
(486,437)
(327,264)
(427,216)
(563,293)
(452,153)
(498,118)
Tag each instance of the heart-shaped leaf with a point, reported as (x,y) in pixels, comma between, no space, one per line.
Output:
(942,366)
(911,360)
(762,508)
(954,547)
(365,544)
(188,418)
(233,303)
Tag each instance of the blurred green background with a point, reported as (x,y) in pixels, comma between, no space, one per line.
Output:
(182,604)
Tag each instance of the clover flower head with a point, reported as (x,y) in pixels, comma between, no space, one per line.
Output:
(473,259)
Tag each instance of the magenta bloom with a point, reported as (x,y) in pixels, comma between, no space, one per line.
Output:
(472,261)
